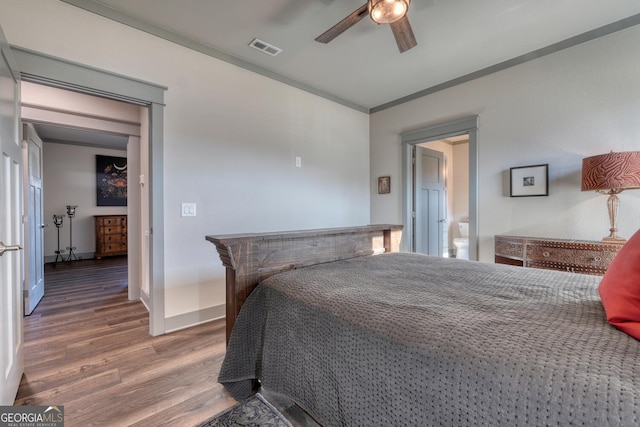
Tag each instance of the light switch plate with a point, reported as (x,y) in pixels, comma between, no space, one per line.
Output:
(188,209)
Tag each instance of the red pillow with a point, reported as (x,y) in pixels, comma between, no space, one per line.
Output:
(620,288)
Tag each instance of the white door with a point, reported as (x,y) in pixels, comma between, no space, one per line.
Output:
(34,240)
(11,344)
(429,202)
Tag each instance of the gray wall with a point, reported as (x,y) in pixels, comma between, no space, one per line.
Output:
(69,179)
(230,142)
(557,110)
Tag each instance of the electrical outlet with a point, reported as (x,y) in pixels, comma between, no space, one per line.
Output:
(298,161)
(188,209)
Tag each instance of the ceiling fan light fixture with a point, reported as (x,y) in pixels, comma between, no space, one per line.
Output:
(388,11)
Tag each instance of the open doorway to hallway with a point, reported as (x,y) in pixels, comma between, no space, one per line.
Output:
(77,128)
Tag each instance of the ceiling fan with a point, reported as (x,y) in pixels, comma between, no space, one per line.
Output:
(392,12)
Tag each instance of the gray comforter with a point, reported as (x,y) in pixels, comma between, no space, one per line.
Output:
(412,340)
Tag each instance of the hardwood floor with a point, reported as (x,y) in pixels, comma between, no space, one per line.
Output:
(88,348)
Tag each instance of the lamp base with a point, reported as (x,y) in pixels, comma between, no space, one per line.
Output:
(612,206)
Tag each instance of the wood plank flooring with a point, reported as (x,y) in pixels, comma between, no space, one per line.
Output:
(88,348)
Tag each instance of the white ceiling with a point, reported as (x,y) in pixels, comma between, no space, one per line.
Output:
(362,68)
(87,137)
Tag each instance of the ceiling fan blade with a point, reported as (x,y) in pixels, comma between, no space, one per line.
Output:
(403,34)
(343,25)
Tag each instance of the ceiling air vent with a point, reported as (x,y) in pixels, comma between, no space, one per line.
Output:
(265,47)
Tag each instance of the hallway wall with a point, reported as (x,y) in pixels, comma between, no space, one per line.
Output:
(69,167)
(70,179)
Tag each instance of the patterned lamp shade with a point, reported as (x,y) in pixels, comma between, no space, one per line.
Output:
(610,174)
(612,171)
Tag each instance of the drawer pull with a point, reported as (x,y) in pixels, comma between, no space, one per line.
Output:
(545,254)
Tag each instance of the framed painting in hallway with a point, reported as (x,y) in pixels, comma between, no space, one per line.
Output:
(111,181)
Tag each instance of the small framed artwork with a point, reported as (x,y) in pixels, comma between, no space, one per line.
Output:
(384,185)
(530,181)
(111,181)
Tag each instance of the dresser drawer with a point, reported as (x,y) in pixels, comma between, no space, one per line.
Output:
(114,247)
(113,230)
(106,221)
(510,248)
(595,270)
(589,258)
(114,238)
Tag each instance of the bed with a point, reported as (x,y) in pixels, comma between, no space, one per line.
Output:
(364,335)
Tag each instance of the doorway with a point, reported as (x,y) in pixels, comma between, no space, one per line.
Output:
(455,197)
(72,143)
(466,128)
(62,74)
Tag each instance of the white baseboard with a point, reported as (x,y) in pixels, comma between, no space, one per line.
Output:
(52,258)
(144,298)
(194,318)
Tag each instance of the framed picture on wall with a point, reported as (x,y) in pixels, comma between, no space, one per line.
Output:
(384,185)
(529,181)
(111,181)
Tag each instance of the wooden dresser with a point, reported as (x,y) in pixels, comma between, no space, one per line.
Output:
(577,256)
(111,235)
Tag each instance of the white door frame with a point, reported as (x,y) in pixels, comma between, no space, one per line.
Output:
(11,228)
(44,69)
(468,125)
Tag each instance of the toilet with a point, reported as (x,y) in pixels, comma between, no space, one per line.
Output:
(462,243)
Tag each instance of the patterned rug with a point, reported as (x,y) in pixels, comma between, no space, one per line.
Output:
(255,411)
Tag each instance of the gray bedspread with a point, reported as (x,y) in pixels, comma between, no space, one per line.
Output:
(413,340)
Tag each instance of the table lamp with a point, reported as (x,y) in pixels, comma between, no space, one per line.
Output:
(610,174)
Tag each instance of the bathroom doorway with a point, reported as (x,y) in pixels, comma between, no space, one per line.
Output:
(459,139)
(454,216)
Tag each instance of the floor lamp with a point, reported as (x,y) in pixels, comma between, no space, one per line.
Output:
(610,174)
(57,220)
(71,212)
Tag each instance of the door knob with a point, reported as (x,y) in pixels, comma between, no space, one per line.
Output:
(4,248)
(44,225)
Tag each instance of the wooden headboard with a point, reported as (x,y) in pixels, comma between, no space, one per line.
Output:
(251,258)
